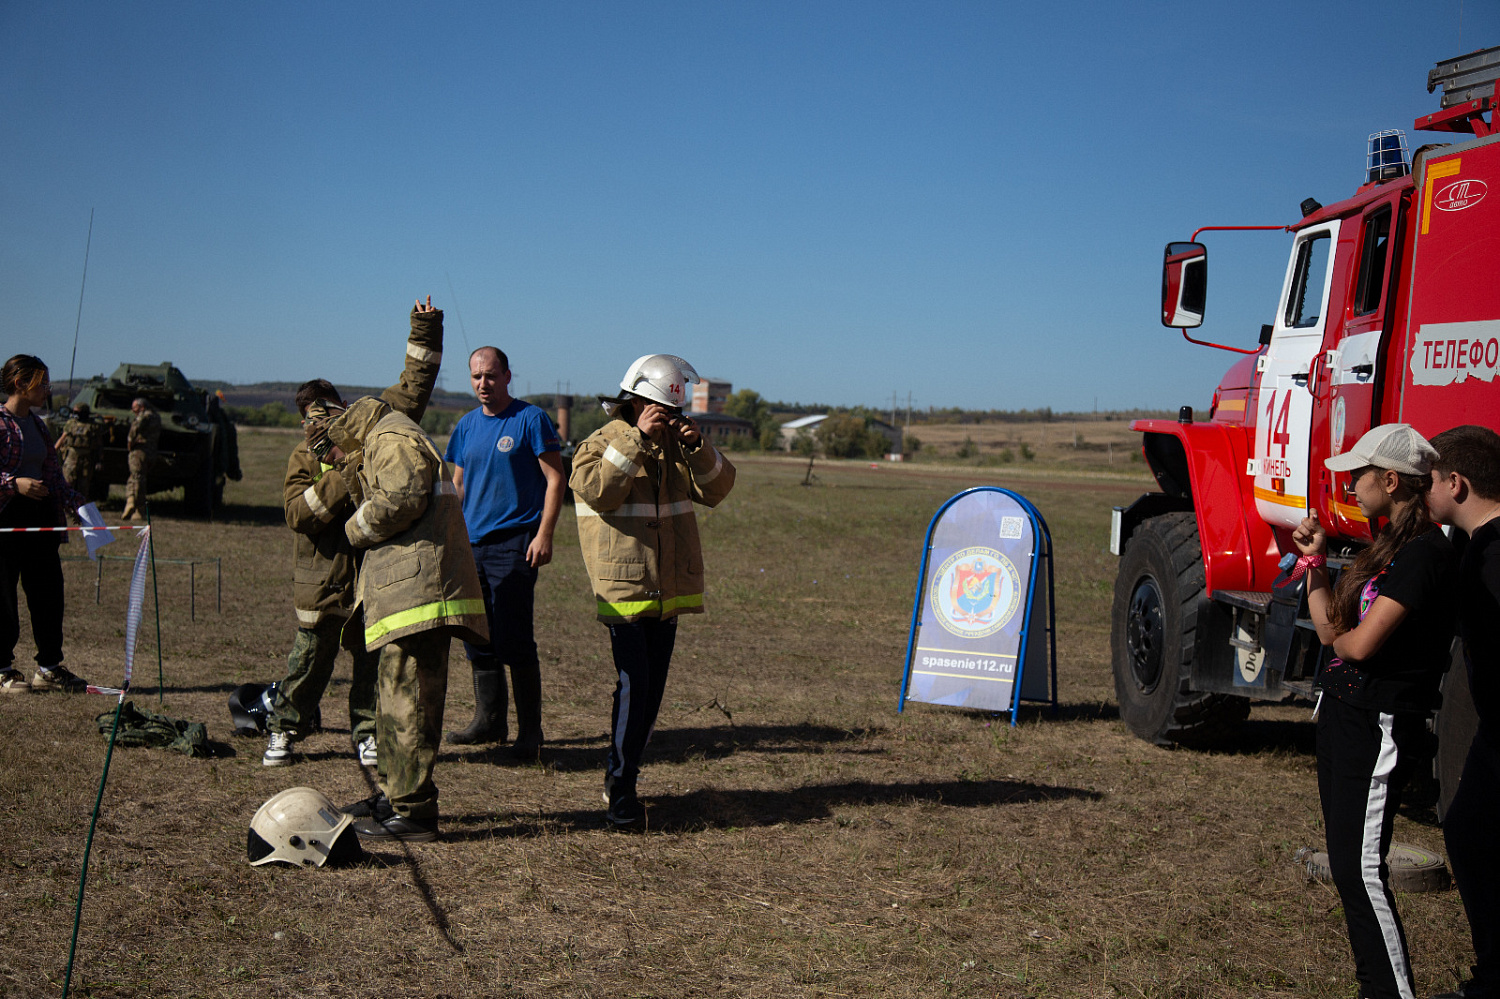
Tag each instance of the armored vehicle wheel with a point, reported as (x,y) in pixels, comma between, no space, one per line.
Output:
(198,494)
(1154,625)
(98,488)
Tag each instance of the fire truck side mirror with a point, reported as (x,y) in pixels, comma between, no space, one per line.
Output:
(1184,285)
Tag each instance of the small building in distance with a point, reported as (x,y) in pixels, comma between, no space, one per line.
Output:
(710,395)
(720,427)
(790,428)
(809,424)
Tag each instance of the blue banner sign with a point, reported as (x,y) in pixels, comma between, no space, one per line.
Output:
(982,632)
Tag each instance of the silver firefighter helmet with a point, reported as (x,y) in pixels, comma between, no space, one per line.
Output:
(662,378)
(301,827)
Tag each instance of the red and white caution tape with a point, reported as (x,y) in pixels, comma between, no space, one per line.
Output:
(132,613)
(101,527)
(137,598)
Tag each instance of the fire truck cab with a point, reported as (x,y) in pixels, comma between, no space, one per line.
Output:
(1389,311)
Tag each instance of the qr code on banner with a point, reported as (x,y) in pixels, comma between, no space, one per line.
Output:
(1011,527)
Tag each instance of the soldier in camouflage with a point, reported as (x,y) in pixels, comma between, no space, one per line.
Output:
(81,446)
(142,441)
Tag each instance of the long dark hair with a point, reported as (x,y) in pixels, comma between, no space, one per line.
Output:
(22,373)
(1411,520)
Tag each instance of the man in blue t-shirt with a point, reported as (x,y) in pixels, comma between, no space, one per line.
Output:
(509,473)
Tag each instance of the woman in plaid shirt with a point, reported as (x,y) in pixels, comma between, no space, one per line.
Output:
(33,493)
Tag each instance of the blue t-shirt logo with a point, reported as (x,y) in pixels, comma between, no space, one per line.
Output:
(503,482)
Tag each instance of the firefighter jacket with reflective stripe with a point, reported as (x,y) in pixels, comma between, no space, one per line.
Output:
(318,502)
(418,571)
(634,499)
(319,498)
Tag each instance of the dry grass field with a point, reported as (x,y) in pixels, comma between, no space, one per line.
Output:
(805,838)
(1102,446)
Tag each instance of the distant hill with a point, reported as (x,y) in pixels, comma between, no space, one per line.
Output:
(586,407)
(260,393)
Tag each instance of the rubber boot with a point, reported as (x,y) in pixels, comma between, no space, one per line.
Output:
(489,710)
(528,684)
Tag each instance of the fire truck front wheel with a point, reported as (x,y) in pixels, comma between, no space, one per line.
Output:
(1157,592)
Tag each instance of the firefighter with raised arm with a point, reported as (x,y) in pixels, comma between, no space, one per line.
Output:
(635,481)
(319,496)
(417,589)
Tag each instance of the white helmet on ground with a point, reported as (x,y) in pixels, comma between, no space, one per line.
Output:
(661,378)
(301,827)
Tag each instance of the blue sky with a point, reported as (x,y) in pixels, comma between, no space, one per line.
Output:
(821,201)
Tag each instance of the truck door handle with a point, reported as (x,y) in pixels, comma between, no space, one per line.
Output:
(1363,369)
(1300,379)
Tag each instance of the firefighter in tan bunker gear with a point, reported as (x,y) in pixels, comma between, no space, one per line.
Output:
(141,442)
(319,496)
(417,589)
(635,481)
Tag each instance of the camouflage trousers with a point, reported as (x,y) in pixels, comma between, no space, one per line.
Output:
(309,667)
(135,486)
(78,470)
(409,720)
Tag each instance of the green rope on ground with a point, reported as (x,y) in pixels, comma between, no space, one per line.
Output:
(83,875)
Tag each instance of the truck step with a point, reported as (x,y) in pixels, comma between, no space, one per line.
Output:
(1250,600)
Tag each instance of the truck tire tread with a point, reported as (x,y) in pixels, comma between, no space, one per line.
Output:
(1195,718)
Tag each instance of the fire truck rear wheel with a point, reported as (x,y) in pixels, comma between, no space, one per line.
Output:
(1154,626)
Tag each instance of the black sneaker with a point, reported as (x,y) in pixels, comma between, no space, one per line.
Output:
(376,806)
(626,812)
(397,827)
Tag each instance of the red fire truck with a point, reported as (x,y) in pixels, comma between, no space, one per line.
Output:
(1389,312)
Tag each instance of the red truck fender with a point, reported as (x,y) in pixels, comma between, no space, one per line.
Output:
(1201,466)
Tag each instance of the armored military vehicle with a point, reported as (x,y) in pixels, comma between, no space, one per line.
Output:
(198,448)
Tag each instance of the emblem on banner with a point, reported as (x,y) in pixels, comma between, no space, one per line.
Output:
(976,592)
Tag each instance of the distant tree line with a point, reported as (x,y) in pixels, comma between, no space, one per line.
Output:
(437,422)
(847,433)
(271,414)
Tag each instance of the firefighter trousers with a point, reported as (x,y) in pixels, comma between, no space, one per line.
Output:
(309,667)
(409,720)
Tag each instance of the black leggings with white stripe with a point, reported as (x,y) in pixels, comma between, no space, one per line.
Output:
(1365,759)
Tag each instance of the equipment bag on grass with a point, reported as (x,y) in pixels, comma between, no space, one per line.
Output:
(142,728)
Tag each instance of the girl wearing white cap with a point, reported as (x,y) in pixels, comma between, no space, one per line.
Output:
(1390,622)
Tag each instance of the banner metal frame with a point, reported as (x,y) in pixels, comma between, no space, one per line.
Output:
(1041,553)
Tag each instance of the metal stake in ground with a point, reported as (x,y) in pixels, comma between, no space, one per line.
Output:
(132,624)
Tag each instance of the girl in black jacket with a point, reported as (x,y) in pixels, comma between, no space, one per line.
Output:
(1390,623)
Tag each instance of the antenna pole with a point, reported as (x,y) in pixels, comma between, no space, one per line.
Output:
(88,244)
(456,311)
